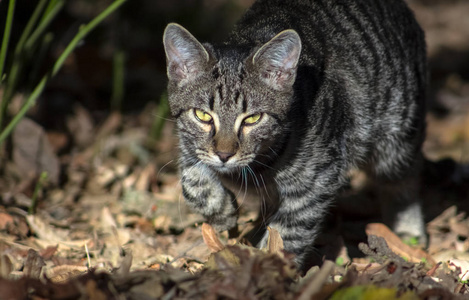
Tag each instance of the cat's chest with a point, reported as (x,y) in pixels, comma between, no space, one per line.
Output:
(251,186)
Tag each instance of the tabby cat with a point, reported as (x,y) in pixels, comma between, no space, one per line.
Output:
(302,92)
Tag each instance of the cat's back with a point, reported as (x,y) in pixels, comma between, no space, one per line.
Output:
(329,25)
(373,50)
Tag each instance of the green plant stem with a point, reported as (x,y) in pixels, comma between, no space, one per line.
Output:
(45,21)
(82,33)
(40,182)
(17,59)
(39,57)
(6,37)
(52,4)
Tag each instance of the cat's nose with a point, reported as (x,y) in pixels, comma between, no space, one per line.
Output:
(224,156)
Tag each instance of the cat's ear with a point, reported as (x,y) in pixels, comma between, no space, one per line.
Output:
(277,60)
(185,56)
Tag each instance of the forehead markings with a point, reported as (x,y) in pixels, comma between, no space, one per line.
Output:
(228,90)
(239,121)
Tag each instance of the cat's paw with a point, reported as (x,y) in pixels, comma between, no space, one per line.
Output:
(409,224)
(223,222)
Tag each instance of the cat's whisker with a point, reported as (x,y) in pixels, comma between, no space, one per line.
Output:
(164,118)
(168,120)
(264,165)
(251,171)
(273,151)
(161,169)
(243,180)
(179,206)
(241,185)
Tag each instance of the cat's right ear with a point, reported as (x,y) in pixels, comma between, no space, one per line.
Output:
(185,56)
(277,60)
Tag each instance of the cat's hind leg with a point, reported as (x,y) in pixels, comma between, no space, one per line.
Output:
(401,208)
(397,179)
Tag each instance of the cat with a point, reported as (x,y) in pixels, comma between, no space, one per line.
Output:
(301,93)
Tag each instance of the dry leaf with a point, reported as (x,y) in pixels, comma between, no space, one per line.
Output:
(93,291)
(63,273)
(81,126)
(144,180)
(45,231)
(32,152)
(317,281)
(5,220)
(211,239)
(274,242)
(396,245)
(48,252)
(33,264)
(6,266)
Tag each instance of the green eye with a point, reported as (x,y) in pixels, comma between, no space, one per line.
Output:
(202,116)
(253,119)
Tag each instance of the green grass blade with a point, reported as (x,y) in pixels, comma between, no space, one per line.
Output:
(52,4)
(6,36)
(82,33)
(46,20)
(16,67)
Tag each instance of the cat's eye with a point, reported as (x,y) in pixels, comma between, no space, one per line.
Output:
(252,119)
(202,116)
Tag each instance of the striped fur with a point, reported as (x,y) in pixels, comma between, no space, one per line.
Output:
(339,84)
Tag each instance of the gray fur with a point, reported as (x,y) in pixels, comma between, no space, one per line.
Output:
(339,84)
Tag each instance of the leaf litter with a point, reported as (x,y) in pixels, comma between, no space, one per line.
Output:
(111,222)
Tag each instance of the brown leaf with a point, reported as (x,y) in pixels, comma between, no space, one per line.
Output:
(144,180)
(32,152)
(58,140)
(64,273)
(48,252)
(396,245)
(93,291)
(274,242)
(6,266)
(81,126)
(33,264)
(211,239)
(5,220)
(317,281)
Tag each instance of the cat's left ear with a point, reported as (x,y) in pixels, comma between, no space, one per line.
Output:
(277,60)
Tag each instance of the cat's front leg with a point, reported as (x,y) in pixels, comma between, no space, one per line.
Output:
(304,202)
(205,194)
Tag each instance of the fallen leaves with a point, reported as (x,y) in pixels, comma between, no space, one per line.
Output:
(396,245)
(274,242)
(32,152)
(210,238)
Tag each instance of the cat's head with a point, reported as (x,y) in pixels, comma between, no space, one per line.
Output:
(230,102)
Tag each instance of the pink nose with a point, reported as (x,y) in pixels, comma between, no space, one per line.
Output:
(224,156)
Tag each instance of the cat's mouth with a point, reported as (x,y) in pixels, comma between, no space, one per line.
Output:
(232,165)
(223,167)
